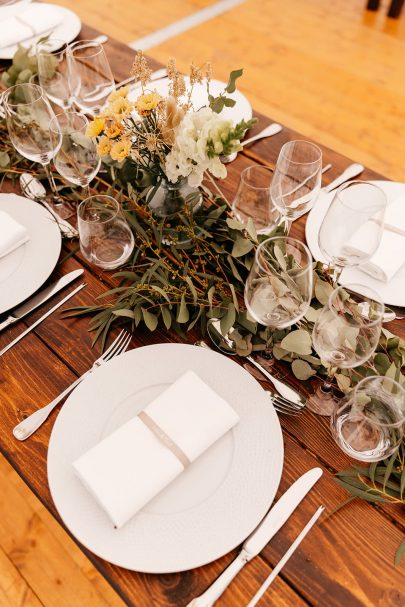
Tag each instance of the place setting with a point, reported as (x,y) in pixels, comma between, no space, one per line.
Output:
(164,457)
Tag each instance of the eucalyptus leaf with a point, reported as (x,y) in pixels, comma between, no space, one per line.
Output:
(399,553)
(150,319)
(241,247)
(298,341)
(183,313)
(302,370)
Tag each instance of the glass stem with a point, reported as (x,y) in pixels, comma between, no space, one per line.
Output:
(336,272)
(328,383)
(86,191)
(52,184)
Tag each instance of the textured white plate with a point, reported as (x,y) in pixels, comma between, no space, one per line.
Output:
(207,510)
(67,30)
(24,270)
(242,110)
(392,292)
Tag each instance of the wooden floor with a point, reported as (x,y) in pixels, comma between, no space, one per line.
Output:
(329,70)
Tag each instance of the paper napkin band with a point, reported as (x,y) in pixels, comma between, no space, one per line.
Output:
(390,228)
(164,438)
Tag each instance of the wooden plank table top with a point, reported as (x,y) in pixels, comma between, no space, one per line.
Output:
(345,560)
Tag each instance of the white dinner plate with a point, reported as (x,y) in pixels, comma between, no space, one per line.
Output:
(392,292)
(242,110)
(211,507)
(24,270)
(69,27)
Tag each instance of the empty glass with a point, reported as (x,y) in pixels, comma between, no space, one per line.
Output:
(345,335)
(53,71)
(297,179)
(28,114)
(105,237)
(253,200)
(369,423)
(90,76)
(76,159)
(352,228)
(278,290)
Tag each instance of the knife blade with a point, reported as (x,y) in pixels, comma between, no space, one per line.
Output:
(37,322)
(257,540)
(36,300)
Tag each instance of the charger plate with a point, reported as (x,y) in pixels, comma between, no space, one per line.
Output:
(24,270)
(392,292)
(210,508)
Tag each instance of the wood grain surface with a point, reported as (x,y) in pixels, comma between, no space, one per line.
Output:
(345,560)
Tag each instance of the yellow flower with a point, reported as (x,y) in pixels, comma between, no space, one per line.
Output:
(122,92)
(104,146)
(120,149)
(146,103)
(95,127)
(121,107)
(113,129)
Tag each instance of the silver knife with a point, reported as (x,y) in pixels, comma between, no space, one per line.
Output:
(272,522)
(352,171)
(37,322)
(40,298)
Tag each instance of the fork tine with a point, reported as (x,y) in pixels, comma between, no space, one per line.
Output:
(111,346)
(289,403)
(285,407)
(120,346)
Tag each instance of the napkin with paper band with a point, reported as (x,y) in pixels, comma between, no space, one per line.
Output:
(12,234)
(390,255)
(133,464)
(33,21)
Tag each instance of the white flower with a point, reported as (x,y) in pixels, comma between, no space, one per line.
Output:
(197,145)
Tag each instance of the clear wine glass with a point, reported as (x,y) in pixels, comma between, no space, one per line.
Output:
(90,75)
(369,423)
(297,179)
(278,290)
(105,237)
(28,114)
(345,335)
(53,71)
(252,200)
(76,159)
(352,228)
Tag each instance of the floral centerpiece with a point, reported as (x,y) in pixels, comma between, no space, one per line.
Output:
(171,142)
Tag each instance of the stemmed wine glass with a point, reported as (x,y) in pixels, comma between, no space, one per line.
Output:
(352,228)
(278,290)
(297,179)
(76,158)
(90,75)
(345,335)
(28,114)
(368,424)
(53,71)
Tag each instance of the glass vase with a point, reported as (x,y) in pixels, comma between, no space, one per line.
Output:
(167,198)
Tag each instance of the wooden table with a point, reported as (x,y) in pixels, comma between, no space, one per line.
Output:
(346,560)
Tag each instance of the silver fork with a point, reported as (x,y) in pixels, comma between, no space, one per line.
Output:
(281,404)
(30,424)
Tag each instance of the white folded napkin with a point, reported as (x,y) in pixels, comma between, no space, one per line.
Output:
(10,10)
(390,255)
(37,19)
(12,234)
(133,464)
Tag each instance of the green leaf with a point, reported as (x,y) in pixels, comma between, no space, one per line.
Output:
(228,320)
(210,295)
(192,289)
(150,319)
(233,76)
(390,464)
(343,382)
(161,292)
(124,312)
(399,553)
(167,317)
(183,313)
(298,341)
(323,291)
(251,229)
(280,257)
(302,370)
(234,269)
(312,314)
(234,224)
(241,247)
(4,160)
(382,363)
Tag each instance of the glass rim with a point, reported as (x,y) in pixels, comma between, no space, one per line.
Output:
(256,166)
(81,206)
(55,121)
(367,208)
(5,96)
(308,143)
(81,44)
(296,242)
(401,390)
(60,49)
(373,296)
